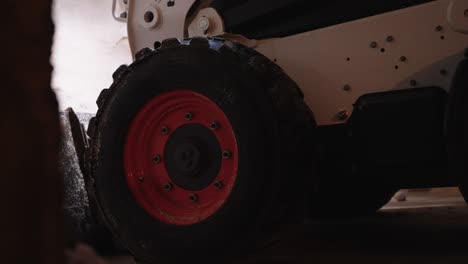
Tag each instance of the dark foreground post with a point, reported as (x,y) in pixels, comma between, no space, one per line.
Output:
(30,215)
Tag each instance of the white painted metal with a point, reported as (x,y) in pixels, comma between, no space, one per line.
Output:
(323,61)
(334,66)
(458,15)
(171,21)
(119,10)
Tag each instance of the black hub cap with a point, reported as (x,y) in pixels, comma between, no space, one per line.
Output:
(193,157)
(187,158)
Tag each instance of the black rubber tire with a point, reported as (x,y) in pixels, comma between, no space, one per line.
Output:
(81,222)
(458,127)
(274,130)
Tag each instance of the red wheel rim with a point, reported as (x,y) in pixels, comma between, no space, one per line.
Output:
(145,163)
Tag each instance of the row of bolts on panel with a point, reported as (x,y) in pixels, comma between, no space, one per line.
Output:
(344,114)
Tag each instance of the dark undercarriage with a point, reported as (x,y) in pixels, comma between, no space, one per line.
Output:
(400,135)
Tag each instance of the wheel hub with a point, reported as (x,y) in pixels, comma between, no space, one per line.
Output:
(174,159)
(193,157)
(187,159)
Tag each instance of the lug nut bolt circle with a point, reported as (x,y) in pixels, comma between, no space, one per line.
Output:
(165,130)
(168,187)
(157,159)
(188,116)
(218,185)
(193,197)
(226,154)
(214,126)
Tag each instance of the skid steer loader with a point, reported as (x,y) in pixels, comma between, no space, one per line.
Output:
(237,118)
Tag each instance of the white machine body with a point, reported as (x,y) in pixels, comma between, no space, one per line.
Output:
(414,47)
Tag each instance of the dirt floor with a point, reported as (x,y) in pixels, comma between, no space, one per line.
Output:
(430,227)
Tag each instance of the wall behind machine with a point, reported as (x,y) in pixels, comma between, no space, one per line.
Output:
(88,46)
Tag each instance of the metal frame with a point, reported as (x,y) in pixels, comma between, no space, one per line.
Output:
(408,48)
(123,16)
(334,66)
(169,21)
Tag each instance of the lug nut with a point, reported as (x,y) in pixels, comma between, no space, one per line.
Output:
(218,184)
(188,116)
(226,154)
(157,45)
(193,197)
(204,24)
(373,44)
(403,58)
(214,126)
(439,28)
(390,38)
(157,159)
(343,115)
(347,88)
(168,187)
(165,130)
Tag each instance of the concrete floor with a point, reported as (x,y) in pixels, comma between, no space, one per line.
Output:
(430,227)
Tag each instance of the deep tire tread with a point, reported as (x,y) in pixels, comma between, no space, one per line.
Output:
(119,71)
(143,53)
(200,42)
(170,43)
(102,97)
